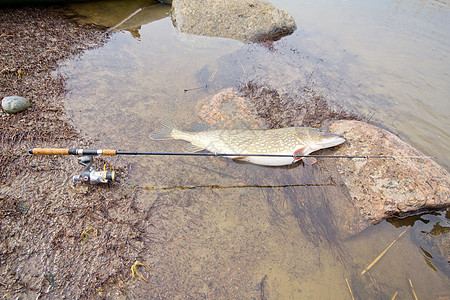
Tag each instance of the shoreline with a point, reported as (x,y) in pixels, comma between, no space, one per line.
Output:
(34,40)
(46,220)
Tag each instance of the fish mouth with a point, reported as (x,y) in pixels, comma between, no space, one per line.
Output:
(331,140)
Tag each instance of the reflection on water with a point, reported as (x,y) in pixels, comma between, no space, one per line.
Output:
(431,233)
(121,15)
(429,7)
(240,231)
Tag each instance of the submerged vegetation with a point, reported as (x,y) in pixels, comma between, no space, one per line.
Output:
(307,108)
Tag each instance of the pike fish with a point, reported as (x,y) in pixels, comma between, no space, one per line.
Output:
(286,141)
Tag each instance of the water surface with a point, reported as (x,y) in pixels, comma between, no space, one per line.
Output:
(238,230)
(401,55)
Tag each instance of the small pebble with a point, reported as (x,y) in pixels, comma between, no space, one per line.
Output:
(15,104)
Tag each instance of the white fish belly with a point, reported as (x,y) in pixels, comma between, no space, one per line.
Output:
(269,161)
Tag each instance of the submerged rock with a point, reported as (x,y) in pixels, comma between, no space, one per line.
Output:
(385,187)
(227,109)
(244,20)
(15,104)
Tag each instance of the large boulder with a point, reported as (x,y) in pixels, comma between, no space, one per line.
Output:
(244,20)
(388,186)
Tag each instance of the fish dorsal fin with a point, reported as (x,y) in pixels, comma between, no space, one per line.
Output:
(197,127)
(192,148)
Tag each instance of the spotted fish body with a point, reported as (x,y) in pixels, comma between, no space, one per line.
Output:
(286,141)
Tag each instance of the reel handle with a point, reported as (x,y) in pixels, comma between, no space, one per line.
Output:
(63,151)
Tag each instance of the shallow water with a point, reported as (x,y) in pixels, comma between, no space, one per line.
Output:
(261,231)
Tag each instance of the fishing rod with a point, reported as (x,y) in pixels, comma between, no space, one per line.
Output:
(90,175)
(110,152)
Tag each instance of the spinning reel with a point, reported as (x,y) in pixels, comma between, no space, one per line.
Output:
(92,176)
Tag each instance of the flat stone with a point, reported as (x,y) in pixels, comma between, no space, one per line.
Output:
(15,104)
(244,20)
(385,187)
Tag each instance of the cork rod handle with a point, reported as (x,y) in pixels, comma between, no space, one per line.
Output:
(49,151)
(62,151)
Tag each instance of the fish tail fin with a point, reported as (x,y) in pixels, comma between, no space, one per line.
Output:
(166,132)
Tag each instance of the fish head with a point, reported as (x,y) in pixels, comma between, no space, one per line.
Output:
(317,139)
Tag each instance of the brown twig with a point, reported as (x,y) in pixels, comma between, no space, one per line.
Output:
(196,88)
(349,289)
(382,253)
(412,289)
(135,272)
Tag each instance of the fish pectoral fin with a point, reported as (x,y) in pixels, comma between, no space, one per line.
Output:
(300,151)
(238,158)
(192,148)
(309,160)
(306,160)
